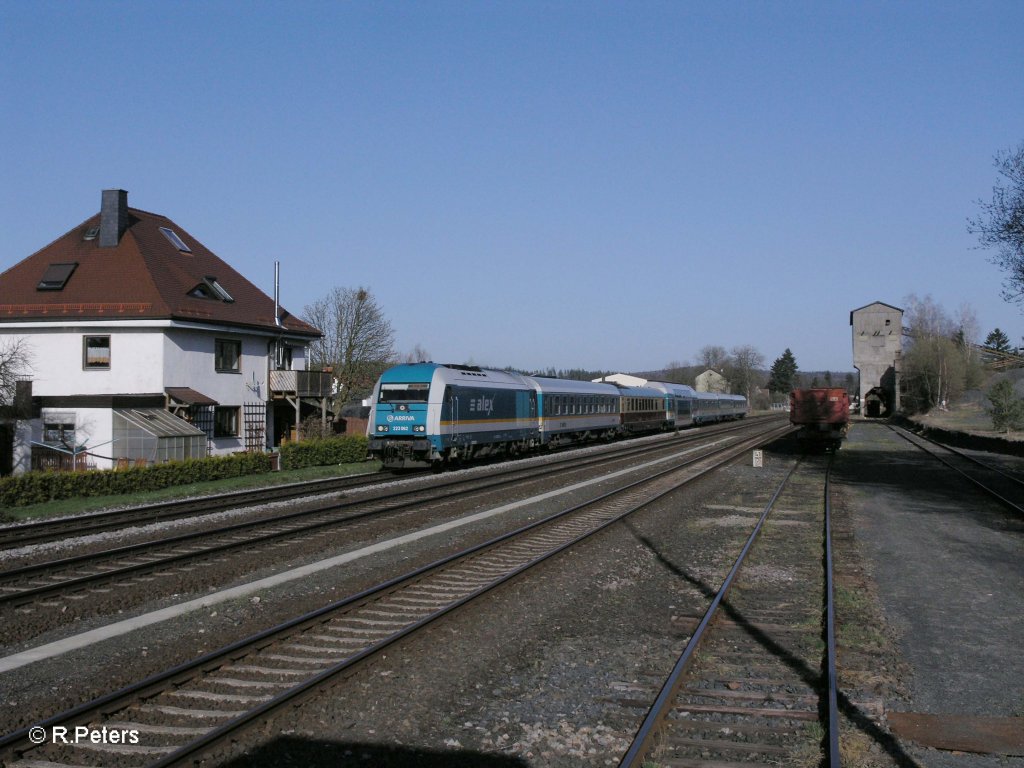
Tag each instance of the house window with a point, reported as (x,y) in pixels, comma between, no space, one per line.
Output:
(225,421)
(96,353)
(228,355)
(57,433)
(284,357)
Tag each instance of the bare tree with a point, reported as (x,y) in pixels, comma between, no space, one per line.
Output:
(1001,223)
(417,355)
(938,363)
(15,360)
(745,366)
(713,357)
(358,341)
(678,372)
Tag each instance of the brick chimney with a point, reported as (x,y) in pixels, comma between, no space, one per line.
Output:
(113,217)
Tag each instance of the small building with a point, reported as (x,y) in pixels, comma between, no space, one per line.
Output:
(711,381)
(623,380)
(877,346)
(146,346)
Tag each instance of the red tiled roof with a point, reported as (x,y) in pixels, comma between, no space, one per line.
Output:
(143,276)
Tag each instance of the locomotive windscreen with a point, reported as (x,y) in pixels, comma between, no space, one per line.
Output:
(416,392)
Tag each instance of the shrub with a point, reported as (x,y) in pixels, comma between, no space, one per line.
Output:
(344,449)
(40,487)
(1007,410)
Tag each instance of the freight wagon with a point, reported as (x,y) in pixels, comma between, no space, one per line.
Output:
(823,415)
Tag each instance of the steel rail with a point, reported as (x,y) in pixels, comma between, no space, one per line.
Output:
(966,457)
(435,493)
(984,488)
(830,628)
(644,739)
(40,531)
(118,700)
(22,534)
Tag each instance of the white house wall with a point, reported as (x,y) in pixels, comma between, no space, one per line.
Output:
(136,361)
(145,359)
(190,362)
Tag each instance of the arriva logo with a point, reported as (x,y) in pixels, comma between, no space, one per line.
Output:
(392,417)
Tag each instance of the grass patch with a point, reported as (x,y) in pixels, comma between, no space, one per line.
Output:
(247,482)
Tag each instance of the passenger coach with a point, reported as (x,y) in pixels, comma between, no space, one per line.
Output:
(576,411)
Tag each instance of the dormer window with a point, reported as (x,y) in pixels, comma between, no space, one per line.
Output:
(202,291)
(219,289)
(211,289)
(56,276)
(174,240)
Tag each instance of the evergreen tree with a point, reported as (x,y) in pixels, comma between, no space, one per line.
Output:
(998,341)
(783,373)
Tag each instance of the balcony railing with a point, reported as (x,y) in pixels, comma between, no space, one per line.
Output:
(301,383)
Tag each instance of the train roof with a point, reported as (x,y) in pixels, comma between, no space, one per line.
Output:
(706,395)
(450,374)
(544,384)
(679,390)
(641,392)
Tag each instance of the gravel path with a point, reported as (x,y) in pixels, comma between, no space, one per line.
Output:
(949,565)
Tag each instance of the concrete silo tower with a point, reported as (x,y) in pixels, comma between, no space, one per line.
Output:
(877,346)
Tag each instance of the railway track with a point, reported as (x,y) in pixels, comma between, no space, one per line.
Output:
(753,685)
(56,529)
(176,716)
(44,531)
(98,578)
(1005,487)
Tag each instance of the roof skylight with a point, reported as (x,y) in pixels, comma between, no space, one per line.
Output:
(176,241)
(56,276)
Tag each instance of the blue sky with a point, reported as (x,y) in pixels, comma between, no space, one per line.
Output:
(598,185)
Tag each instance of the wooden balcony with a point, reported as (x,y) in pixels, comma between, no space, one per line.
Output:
(300,383)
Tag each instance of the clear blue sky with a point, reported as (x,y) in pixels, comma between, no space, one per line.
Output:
(567,184)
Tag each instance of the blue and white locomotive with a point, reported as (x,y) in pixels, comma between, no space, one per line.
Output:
(430,415)
(425,414)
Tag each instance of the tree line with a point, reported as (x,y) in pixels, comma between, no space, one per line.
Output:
(359,344)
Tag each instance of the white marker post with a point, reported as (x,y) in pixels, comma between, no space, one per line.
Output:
(758,458)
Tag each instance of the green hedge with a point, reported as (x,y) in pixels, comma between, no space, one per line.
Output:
(345,449)
(40,487)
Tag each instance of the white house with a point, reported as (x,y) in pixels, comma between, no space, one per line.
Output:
(132,323)
(711,381)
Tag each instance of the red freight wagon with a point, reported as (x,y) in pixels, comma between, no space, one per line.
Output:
(823,415)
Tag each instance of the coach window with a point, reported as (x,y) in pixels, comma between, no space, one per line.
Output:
(96,353)
(227,357)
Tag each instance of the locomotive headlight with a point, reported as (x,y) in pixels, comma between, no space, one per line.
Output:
(419,428)
(382,428)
